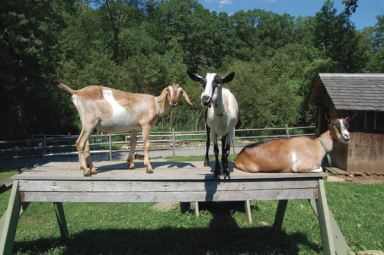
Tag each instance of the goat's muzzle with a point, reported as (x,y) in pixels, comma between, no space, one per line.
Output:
(206,100)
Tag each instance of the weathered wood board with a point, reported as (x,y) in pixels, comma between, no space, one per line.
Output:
(171,181)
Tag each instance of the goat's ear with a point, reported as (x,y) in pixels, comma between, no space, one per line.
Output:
(229,77)
(194,76)
(163,94)
(326,117)
(186,97)
(349,118)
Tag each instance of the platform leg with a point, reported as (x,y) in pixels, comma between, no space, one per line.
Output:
(60,216)
(197,210)
(10,220)
(341,245)
(248,211)
(325,221)
(279,216)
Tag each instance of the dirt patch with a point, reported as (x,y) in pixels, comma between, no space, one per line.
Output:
(362,179)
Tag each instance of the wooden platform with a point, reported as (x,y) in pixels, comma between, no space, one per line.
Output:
(171,181)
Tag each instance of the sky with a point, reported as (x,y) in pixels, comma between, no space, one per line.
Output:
(364,16)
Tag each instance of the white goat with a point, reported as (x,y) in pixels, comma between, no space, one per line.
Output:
(221,116)
(297,154)
(112,110)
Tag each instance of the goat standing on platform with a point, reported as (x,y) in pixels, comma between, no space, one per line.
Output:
(112,110)
(221,116)
(297,154)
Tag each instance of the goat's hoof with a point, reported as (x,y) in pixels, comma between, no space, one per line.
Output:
(227,176)
(93,170)
(149,171)
(87,173)
(131,167)
(206,163)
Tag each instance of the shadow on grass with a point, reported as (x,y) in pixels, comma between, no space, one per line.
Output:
(222,236)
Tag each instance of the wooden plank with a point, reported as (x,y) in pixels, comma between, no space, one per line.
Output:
(158,196)
(164,171)
(325,222)
(11,219)
(110,186)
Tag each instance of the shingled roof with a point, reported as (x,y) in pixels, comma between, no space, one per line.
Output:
(361,92)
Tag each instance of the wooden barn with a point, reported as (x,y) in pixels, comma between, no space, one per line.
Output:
(362,95)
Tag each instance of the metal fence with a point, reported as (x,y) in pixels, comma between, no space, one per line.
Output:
(172,141)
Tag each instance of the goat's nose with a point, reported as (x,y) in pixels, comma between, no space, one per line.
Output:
(205,98)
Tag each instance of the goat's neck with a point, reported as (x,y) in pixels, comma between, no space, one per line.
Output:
(219,105)
(162,106)
(327,140)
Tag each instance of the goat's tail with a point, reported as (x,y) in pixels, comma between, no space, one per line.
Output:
(64,87)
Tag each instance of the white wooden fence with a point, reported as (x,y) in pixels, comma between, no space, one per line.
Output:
(54,145)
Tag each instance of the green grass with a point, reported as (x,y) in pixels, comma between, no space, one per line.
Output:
(222,228)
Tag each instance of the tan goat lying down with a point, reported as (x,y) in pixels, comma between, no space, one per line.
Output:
(298,154)
(114,111)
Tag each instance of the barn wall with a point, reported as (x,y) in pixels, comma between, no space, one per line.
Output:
(364,153)
(339,156)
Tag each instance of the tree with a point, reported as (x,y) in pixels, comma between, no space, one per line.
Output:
(27,63)
(335,35)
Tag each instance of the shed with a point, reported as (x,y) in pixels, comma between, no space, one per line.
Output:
(362,95)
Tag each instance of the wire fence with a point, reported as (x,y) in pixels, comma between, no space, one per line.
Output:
(172,141)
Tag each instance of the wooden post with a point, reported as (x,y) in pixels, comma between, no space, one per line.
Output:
(60,216)
(279,216)
(325,221)
(197,211)
(248,211)
(110,146)
(44,145)
(234,142)
(11,219)
(341,245)
(287,131)
(173,142)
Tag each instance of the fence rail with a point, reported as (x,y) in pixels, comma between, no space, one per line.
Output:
(53,145)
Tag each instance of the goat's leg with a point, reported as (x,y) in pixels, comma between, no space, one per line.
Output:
(81,147)
(216,150)
(147,164)
(207,144)
(225,148)
(132,147)
(87,156)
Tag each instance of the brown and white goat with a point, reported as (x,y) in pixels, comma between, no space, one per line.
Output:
(114,111)
(221,118)
(297,154)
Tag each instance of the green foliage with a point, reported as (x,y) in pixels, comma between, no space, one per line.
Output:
(144,45)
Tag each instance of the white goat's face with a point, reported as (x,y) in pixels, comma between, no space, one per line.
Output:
(211,83)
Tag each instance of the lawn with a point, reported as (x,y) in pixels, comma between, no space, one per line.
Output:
(222,228)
